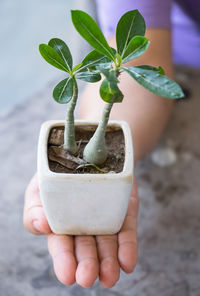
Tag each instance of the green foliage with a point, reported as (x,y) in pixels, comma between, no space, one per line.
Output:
(76,68)
(64,90)
(110,74)
(110,92)
(160,70)
(131,24)
(89,76)
(90,31)
(131,44)
(105,60)
(136,47)
(63,50)
(58,55)
(155,82)
(95,58)
(52,57)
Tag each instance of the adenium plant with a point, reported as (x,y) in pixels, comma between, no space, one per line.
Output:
(109,63)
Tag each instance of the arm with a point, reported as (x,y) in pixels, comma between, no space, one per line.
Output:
(146,113)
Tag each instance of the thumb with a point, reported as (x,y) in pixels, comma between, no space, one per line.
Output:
(34,217)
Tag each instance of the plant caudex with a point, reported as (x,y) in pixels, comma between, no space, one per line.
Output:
(107,61)
(58,55)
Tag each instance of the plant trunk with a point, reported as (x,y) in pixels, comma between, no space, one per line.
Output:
(95,151)
(69,132)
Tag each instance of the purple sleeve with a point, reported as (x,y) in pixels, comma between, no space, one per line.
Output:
(155,12)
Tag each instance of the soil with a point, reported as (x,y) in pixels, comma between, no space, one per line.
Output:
(60,161)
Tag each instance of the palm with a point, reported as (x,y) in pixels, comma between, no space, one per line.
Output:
(85,258)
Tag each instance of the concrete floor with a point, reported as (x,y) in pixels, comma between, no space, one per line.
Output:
(169,189)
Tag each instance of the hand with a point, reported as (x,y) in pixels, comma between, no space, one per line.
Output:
(83,259)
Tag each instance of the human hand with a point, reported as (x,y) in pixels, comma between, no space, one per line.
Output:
(83,259)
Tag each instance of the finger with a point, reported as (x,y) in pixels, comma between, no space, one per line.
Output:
(34,217)
(88,265)
(107,246)
(61,248)
(127,237)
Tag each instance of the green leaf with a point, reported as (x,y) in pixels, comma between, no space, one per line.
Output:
(110,92)
(110,74)
(118,58)
(104,66)
(52,57)
(160,70)
(136,47)
(64,91)
(156,83)
(131,24)
(62,49)
(95,58)
(76,68)
(89,76)
(91,60)
(90,31)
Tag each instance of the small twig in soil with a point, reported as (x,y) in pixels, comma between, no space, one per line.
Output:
(79,144)
(64,158)
(82,166)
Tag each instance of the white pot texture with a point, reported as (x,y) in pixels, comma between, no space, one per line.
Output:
(85,204)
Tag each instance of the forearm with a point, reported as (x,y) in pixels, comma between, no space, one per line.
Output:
(146,113)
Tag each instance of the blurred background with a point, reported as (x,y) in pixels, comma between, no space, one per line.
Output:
(24,25)
(168,178)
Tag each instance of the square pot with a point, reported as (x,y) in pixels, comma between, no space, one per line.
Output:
(85,204)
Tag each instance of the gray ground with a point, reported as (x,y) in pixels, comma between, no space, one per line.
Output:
(169,187)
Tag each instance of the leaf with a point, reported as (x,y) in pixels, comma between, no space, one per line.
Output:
(110,92)
(62,49)
(90,61)
(64,91)
(95,58)
(130,24)
(160,70)
(89,76)
(118,58)
(90,31)
(110,74)
(156,83)
(76,68)
(52,57)
(136,47)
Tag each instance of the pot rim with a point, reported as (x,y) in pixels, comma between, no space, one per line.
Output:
(43,165)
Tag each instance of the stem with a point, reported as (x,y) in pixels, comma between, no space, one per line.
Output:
(69,132)
(95,151)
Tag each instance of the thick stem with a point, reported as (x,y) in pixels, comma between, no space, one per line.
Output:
(69,132)
(95,151)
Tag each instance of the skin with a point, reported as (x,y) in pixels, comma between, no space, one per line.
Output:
(83,259)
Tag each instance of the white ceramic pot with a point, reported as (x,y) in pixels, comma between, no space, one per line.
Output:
(89,204)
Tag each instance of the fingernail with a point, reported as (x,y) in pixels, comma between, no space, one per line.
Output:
(36,226)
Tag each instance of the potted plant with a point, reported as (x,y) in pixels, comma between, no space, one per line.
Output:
(85,169)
